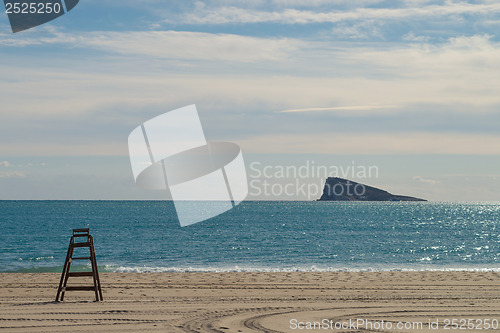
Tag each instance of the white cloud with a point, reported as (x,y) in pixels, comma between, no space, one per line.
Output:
(130,82)
(423,180)
(14,174)
(362,30)
(191,45)
(238,15)
(169,44)
(462,74)
(411,37)
(283,3)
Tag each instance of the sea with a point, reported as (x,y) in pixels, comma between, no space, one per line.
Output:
(255,236)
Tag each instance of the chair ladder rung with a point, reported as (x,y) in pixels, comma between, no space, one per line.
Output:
(81,274)
(79,288)
(84,244)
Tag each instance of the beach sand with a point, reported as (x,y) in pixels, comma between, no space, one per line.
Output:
(250,302)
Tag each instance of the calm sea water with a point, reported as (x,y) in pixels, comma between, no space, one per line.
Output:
(144,236)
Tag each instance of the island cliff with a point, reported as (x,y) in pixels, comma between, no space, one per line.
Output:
(338,189)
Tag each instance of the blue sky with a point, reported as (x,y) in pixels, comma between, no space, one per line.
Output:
(411,82)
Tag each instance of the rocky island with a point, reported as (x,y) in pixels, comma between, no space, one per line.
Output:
(338,189)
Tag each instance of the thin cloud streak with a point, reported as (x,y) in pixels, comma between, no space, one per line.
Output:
(374,143)
(342,108)
(170,44)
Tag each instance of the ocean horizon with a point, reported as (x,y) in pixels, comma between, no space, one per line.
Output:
(255,236)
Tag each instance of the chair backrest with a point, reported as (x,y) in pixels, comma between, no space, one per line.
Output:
(81,232)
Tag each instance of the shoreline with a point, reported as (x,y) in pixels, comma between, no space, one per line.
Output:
(244,301)
(243,269)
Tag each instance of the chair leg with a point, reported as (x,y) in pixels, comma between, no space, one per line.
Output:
(95,271)
(63,273)
(93,265)
(67,273)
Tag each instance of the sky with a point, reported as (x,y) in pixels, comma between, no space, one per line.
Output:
(408,86)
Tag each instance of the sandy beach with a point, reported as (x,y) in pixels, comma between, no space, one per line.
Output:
(254,302)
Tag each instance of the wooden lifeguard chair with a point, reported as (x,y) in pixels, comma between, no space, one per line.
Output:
(88,242)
